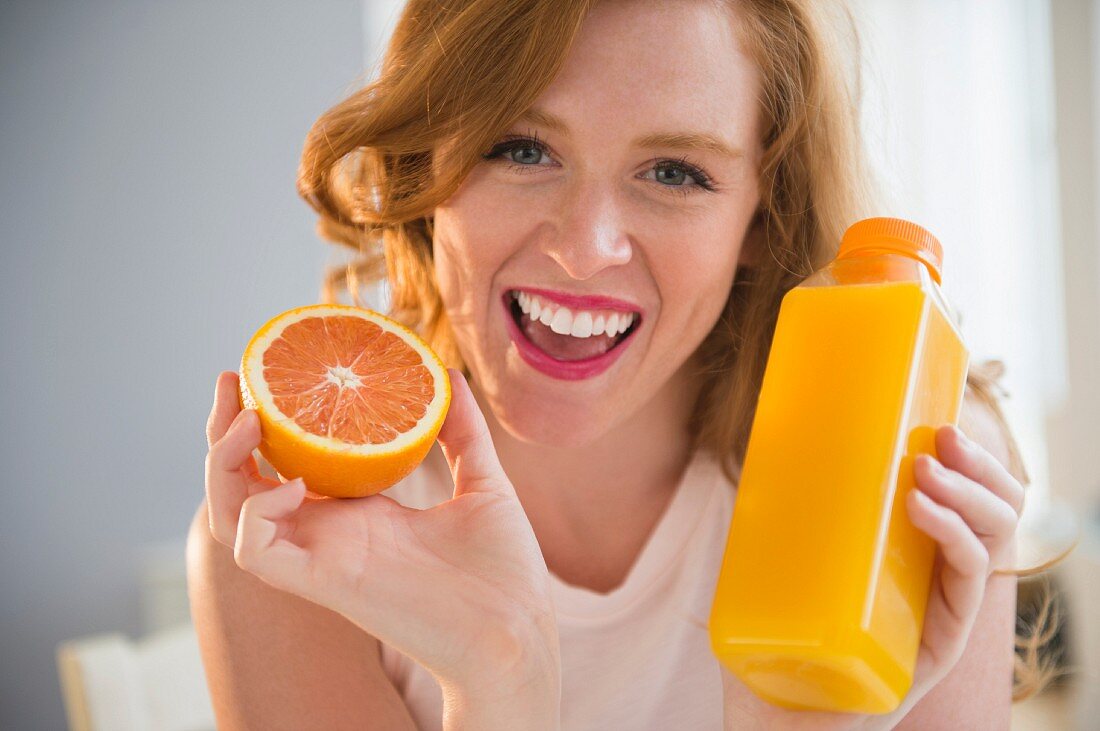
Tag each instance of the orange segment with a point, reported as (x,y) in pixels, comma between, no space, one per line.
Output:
(368,387)
(348,399)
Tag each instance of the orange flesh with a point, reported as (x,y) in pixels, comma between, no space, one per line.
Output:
(346,378)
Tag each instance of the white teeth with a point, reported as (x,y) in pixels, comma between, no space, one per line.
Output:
(582,325)
(562,323)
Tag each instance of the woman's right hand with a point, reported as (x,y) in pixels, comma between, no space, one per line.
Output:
(461,588)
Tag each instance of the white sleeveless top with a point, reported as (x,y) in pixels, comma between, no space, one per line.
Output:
(636,658)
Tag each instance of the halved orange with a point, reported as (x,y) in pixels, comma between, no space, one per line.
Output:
(348,399)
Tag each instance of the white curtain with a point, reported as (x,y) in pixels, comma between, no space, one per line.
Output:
(959,120)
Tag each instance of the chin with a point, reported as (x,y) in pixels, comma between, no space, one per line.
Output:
(563,425)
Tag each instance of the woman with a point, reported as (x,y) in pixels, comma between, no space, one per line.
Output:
(537,169)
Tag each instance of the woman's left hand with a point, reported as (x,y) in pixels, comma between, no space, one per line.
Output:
(970,505)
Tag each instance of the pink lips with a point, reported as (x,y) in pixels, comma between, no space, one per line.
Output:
(573,370)
(585,302)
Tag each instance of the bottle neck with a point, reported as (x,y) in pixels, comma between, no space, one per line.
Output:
(885,248)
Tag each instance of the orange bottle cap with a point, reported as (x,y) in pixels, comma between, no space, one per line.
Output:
(880,235)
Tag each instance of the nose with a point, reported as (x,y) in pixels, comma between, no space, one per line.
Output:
(590,234)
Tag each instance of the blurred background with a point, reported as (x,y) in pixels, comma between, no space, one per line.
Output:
(149,224)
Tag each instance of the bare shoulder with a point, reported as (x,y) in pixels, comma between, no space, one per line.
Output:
(977,692)
(276,661)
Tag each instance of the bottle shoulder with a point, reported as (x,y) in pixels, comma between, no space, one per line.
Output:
(883,268)
(886,271)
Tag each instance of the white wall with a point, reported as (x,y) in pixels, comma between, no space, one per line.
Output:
(148,225)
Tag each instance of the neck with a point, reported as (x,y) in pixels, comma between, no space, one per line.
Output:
(582,490)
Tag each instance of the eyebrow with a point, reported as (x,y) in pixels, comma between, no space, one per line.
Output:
(675,140)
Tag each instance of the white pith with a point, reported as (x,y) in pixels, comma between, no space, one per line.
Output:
(575,322)
(252,369)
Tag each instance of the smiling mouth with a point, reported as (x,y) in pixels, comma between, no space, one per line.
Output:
(563,346)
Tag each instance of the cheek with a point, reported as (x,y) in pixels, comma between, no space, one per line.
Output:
(480,227)
(451,248)
(456,275)
(696,272)
(472,242)
(447,269)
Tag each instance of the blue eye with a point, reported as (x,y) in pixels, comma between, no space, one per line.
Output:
(677,176)
(672,175)
(519,151)
(676,173)
(525,155)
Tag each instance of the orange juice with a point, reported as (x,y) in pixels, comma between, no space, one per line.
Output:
(821,597)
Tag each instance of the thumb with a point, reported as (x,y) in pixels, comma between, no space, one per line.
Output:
(261,546)
(468,446)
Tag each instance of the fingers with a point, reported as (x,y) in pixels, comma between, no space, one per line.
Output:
(468,446)
(970,505)
(262,544)
(961,454)
(965,558)
(228,476)
(987,514)
(226,406)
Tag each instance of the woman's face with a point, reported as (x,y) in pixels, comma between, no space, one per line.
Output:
(640,188)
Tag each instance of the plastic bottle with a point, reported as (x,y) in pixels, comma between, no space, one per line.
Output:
(821,597)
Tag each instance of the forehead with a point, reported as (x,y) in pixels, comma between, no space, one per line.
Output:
(655,63)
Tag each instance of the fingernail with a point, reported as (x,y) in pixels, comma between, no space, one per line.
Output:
(937,466)
(933,464)
(246,417)
(925,498)
(961,438)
